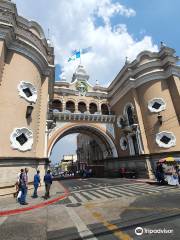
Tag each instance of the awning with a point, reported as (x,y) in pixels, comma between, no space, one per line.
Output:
(167,159)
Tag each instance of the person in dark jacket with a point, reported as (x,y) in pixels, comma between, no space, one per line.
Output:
(48,182)
(37,182)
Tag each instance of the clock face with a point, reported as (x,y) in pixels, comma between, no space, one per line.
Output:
(82,87)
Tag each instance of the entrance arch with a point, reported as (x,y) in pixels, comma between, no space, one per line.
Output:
(104,140)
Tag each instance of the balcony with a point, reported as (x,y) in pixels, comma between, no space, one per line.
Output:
(68,116)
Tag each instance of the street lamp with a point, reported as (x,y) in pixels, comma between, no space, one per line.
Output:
(29,111)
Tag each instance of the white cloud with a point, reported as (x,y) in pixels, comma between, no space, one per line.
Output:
(76,24)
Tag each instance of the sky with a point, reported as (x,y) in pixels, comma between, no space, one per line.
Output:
(114,29)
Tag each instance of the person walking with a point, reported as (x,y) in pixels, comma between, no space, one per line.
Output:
(24,187)
(48,182)
(37,183)
(18,185)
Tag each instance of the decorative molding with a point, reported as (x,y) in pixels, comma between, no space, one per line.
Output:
(27,141)
(165,139)
(110,129)
(119,121)
(25,89)
(123,143)
(120,90)
(156,105)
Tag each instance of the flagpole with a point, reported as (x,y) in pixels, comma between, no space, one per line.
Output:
(80,58)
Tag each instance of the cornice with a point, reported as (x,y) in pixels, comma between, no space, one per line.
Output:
(151,76)
(162,58)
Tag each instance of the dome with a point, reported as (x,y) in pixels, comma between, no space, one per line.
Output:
(80,74)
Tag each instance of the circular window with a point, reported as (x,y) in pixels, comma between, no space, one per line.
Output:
(123,143)
(27,91)
(165,139)
(156,105)
(21,139)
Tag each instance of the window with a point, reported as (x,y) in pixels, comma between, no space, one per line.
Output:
(165,139)
(123,143)
(56,105)
(92,108)
(82,107)
(104,109)
(156,105)
(21,139)
(70,106)
(130,115)
(27,91)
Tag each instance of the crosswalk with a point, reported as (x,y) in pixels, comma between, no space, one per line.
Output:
(116,191)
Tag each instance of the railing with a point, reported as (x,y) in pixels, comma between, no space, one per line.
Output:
(63,116)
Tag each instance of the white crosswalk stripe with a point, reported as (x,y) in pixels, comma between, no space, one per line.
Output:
(123,192)
(138,188)
(81,197)
(99,195)
(117,191)
(105,193)
(91,196)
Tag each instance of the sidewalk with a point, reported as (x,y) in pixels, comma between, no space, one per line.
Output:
(8,202)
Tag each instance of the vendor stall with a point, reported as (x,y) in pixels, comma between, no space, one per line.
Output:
(171,170)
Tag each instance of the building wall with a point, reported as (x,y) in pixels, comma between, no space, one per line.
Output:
(25,55)
(13,106)
(158,89)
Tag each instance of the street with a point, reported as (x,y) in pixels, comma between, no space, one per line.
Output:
(101,208)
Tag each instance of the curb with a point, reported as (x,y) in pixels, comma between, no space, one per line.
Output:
(39,205)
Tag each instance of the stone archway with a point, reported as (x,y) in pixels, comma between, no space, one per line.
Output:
(105,140)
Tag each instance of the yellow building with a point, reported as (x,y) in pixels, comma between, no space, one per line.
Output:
(134,121)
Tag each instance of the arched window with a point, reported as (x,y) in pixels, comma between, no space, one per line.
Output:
(104,109)
(56,105)
(82,107)
(70,106)
(92,108)
(130,114)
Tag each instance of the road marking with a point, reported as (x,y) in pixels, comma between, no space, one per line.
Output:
(72,199)
(2,220)
(124,192)
(99,195)
(112,227)
(144,189)
(104,193)
(90,195)
(83,199)
(83,230)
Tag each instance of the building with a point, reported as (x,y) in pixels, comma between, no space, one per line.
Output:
(88,151)
(68,162)
(26,83)
(132,123)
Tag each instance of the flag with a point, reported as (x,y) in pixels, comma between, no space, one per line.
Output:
(86,50)
(77,53)
(71,58)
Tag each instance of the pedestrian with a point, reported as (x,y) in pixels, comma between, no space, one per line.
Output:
(37,183)
(160,173)
(24,187)
(48,182)
(18,185)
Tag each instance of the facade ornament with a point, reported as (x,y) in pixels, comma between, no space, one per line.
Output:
(156,105)
(165,139)
(123,143)
(82,87)
(27,91)
(162,45)
(21,139)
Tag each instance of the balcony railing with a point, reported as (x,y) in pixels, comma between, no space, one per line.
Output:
(64,116)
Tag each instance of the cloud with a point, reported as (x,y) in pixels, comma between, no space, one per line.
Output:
(82,23)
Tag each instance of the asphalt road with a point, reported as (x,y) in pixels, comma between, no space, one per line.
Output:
(104,209)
